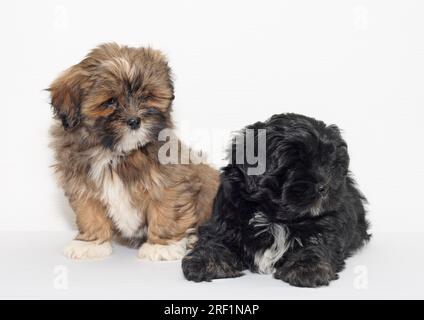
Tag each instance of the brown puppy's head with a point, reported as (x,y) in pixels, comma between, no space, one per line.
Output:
(122,96)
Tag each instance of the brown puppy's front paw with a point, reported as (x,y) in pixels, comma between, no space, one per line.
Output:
(307,275)
(85,250)
(158,252)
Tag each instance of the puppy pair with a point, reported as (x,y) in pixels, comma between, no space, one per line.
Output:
(299,220)
(110,108)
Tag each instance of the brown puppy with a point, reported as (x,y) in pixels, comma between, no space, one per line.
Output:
(110,109)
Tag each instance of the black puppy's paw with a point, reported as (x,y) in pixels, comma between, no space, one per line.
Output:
(195,268)
(307,275)
(208,264)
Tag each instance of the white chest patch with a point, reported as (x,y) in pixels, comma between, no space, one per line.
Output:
(266,259)
(116,197)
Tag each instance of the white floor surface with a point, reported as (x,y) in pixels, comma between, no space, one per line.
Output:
(32,267)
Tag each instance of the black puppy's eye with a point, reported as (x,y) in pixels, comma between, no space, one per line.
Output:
(111,103)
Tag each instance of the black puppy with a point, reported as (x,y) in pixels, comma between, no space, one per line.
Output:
(299,220)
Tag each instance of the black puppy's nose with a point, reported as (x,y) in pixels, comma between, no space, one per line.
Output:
(134,123)
(322,189)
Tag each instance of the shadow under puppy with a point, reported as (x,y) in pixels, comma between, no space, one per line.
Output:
(110,108)
(299,220)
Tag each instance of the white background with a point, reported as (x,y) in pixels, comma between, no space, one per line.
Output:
(358,64)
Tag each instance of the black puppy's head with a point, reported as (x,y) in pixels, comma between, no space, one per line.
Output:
(306,167)
(315,167)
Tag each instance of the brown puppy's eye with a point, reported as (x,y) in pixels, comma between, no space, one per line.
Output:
(151,112)
(145,98)
(111,103)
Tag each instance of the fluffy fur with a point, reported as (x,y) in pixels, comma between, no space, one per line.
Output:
(299,220)
(110,108)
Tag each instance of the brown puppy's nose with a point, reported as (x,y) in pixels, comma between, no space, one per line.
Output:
(134,122)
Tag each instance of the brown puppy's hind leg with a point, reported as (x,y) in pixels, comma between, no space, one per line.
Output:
(167,233)
(173,218)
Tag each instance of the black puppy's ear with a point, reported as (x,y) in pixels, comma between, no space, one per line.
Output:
(66,94)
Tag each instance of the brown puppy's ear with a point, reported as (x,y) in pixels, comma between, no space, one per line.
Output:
(66,94)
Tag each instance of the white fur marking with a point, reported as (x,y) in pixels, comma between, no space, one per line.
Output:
(316,209)
(115,195)
(132,139)
(120,209)
(265,259)
(79,250)
(157,252)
